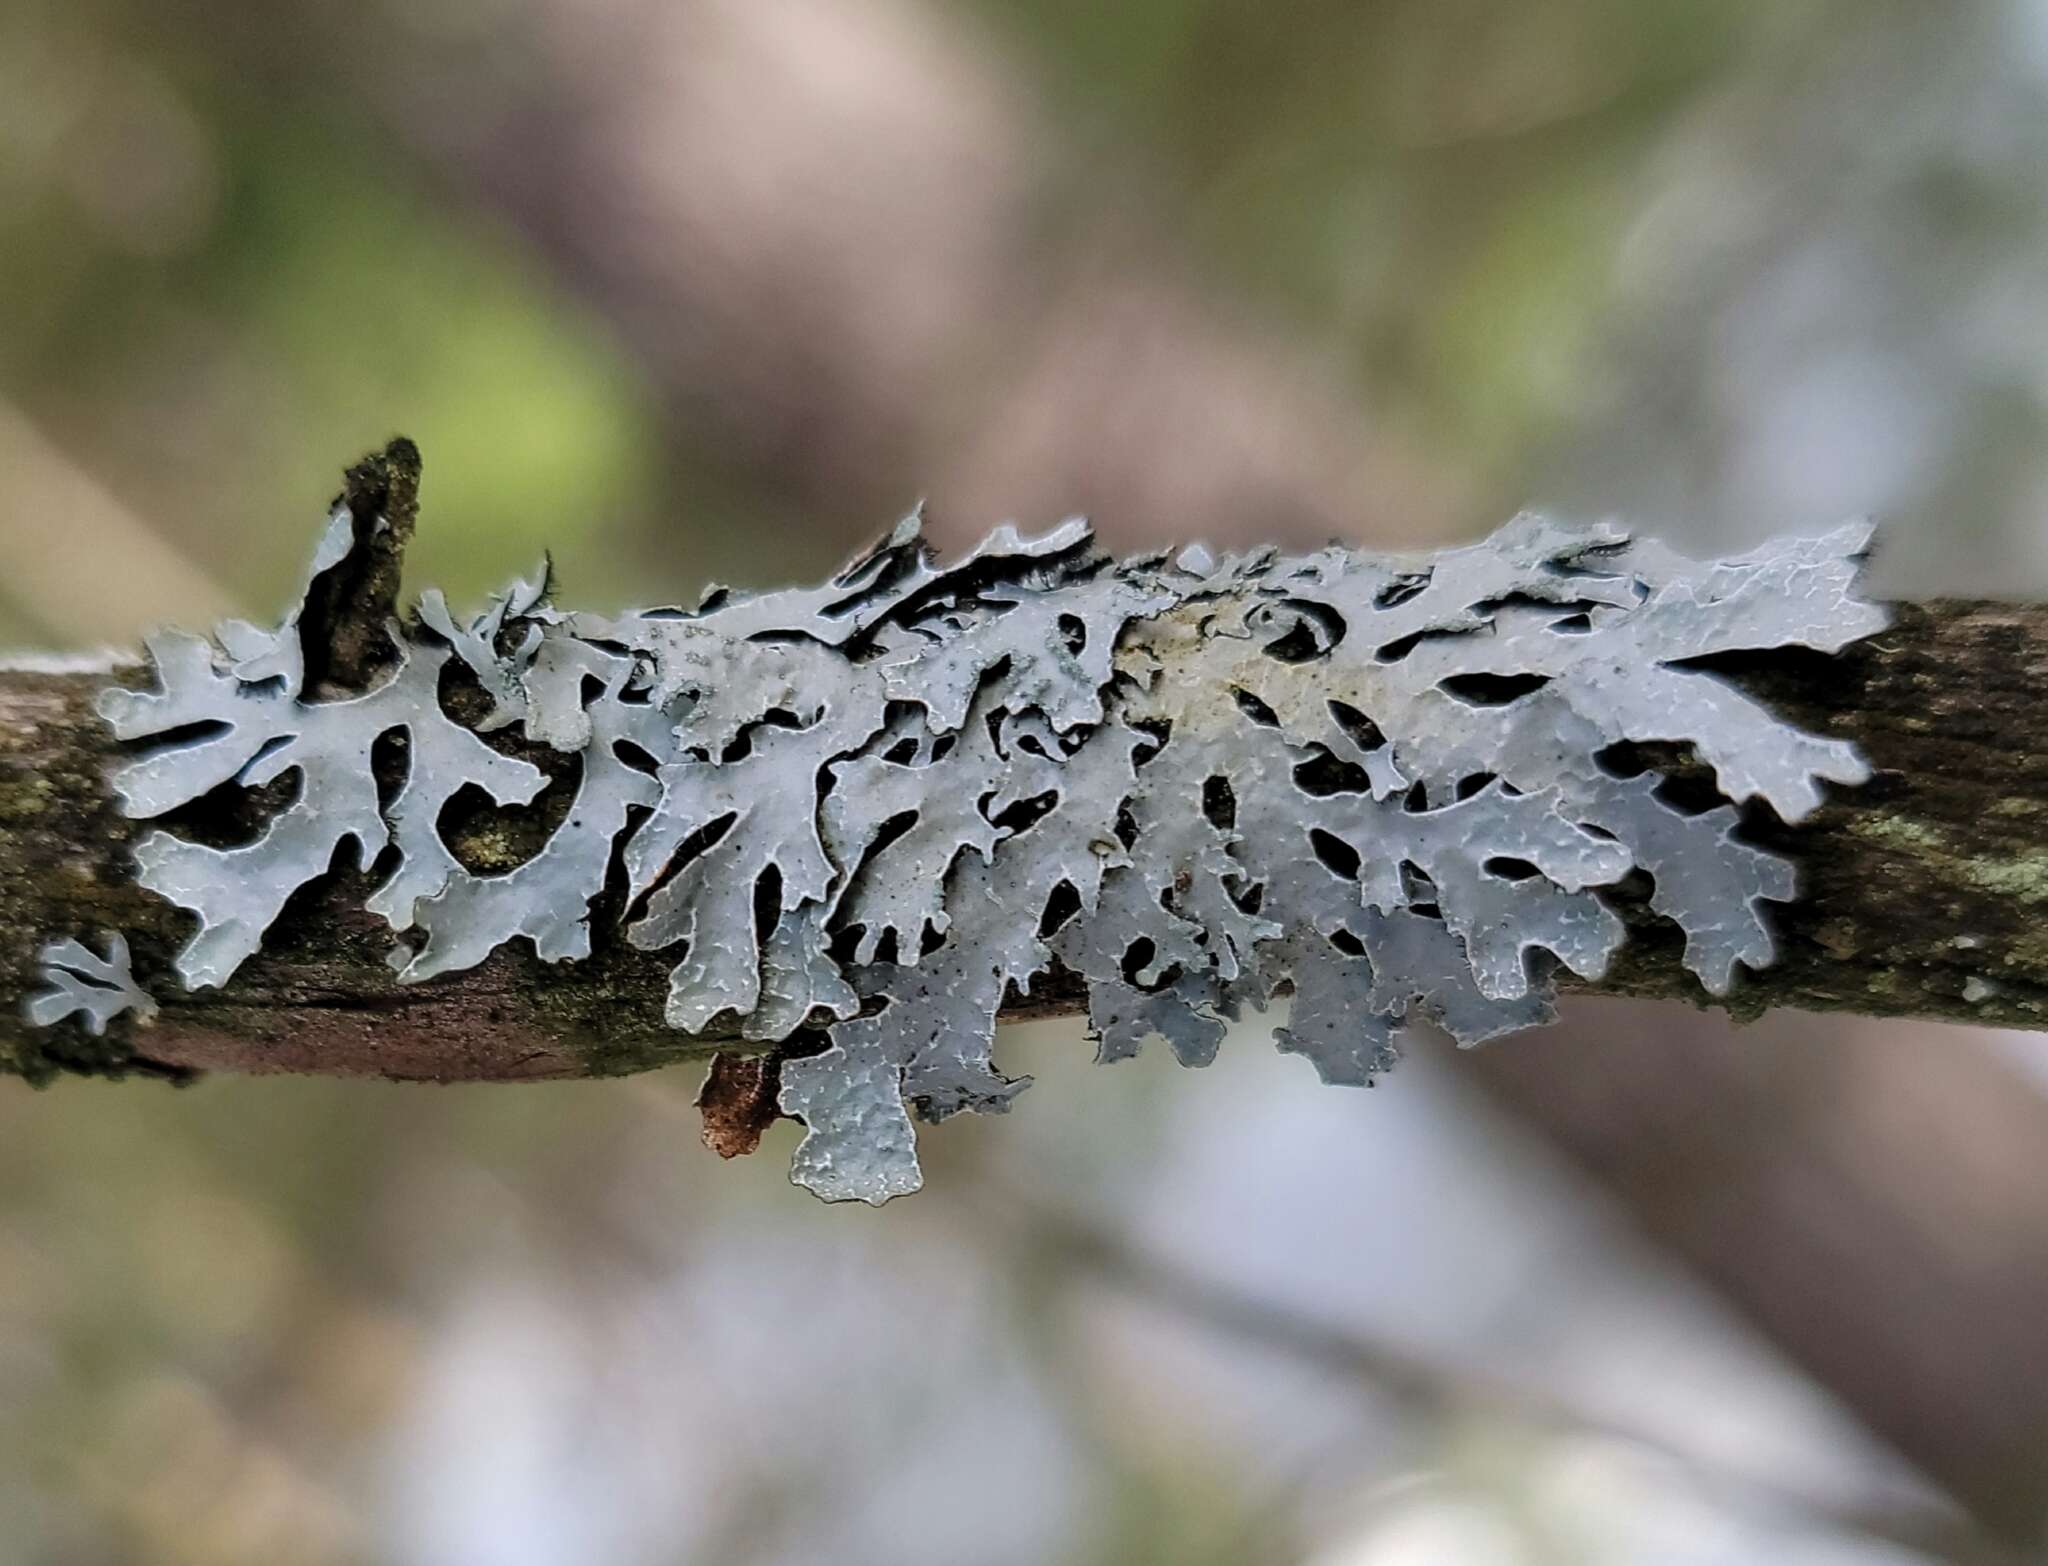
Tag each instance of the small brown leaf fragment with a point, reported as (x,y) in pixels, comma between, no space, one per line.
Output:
(738,1101)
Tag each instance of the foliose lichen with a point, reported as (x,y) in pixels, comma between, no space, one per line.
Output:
(871,811)
(77,981)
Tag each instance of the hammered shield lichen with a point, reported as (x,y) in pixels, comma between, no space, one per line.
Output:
(871,812)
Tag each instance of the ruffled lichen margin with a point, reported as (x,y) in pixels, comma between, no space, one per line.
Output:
(861,816)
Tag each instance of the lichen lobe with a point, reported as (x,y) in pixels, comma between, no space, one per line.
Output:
(879,808)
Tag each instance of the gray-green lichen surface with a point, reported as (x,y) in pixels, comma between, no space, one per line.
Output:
(860,815)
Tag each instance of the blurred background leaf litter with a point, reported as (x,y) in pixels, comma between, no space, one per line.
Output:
(692,290)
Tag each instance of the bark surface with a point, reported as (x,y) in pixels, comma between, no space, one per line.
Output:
(1923,893)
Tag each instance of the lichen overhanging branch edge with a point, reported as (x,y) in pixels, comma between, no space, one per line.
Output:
(865,814)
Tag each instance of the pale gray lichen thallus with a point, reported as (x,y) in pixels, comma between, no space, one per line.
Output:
(881,806)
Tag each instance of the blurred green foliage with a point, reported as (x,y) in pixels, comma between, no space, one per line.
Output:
(213,299)
(1438,185)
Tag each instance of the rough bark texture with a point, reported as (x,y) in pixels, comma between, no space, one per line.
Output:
(1924,892)
(1923,896)
(1870,1196)
(1157,411)
(343,624)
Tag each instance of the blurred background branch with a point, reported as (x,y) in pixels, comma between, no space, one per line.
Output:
(1433,1393)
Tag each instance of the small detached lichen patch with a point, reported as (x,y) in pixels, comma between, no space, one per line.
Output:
(860,816)
(79,982)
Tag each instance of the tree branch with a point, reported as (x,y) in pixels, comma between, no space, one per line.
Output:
(1923,891)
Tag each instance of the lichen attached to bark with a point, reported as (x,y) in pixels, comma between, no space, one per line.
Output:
(79,982)
(864,814)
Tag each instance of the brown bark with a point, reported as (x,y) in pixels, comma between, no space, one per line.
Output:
(826,322)
(1924,891)
(1876,1208)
